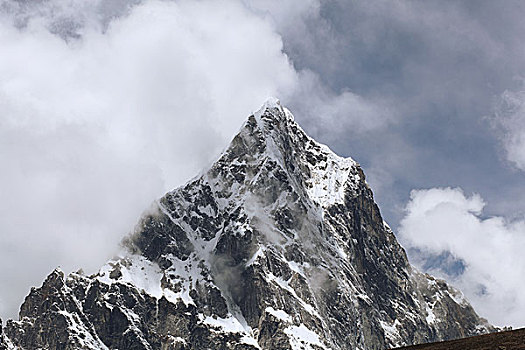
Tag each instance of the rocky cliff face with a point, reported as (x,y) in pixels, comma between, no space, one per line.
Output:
(279,245)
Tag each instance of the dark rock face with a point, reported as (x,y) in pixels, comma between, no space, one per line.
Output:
(279,245)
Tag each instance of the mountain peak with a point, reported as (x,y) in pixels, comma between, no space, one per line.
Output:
(325,175)
(270,103)
(273,112)
(279,245)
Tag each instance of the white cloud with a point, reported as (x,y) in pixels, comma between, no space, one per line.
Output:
(509,119)
(108,104)
(445,220)
(93,129)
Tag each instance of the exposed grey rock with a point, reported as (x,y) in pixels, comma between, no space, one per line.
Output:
(3,344)
(279,245)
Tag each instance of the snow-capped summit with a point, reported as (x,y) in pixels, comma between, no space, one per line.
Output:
(327,175)
(278,245)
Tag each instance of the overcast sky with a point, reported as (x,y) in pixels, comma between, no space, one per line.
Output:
(105,105)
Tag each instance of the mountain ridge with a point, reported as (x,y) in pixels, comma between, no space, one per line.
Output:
(277,245)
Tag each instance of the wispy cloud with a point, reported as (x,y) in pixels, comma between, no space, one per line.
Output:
(509,121)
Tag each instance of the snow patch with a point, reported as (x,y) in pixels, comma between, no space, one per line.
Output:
(327,182)
(232,325)
(229,324)
(279,314)
(301,337)
(146,275)
(431,318)
(391,331)
(250,340)
(137,271)
(270,103)
(296,268)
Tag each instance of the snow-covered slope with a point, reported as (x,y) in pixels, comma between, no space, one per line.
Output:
(279,245)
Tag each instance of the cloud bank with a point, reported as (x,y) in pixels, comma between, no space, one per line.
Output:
(99,119)
(484,254)
(108,104)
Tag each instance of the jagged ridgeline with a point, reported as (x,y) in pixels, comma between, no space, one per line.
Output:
(279,245)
